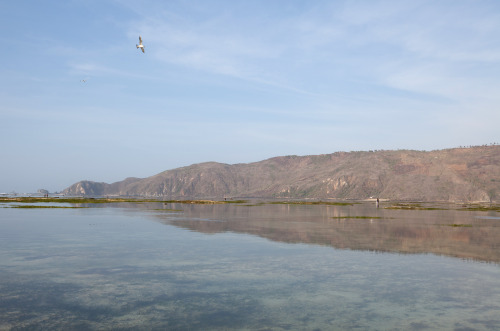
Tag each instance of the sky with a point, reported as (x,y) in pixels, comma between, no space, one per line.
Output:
(236,82)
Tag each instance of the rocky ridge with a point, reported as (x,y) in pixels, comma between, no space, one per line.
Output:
(458,174)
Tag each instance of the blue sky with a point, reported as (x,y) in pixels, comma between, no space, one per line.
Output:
(236,82)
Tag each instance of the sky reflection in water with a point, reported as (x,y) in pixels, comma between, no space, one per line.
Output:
(276,267)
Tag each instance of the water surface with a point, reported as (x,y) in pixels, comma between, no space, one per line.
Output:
(254,267)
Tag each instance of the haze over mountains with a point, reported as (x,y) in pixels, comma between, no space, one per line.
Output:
(458,174)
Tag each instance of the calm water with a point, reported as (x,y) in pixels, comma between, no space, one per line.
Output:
(249,267)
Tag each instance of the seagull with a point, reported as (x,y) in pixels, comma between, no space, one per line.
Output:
(141,46)
(83,81)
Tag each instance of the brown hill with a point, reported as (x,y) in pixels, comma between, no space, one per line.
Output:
(459,174)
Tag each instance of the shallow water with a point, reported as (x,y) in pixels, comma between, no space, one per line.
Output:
(254,267)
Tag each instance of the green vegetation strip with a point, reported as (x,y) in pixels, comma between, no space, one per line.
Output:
(481,208)
(327,203)
(110,200)
(411,206)
(71,200)
(255,204)
(356,217)
(32,206)
(202,202)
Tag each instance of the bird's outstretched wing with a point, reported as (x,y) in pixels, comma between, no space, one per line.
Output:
(140,40)
(142,49)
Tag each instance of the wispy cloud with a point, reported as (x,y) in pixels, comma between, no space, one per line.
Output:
(405,46)
(219,45)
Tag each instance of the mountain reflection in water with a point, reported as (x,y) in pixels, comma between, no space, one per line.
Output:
(447,231)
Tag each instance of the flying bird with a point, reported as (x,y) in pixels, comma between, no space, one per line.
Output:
(141,46)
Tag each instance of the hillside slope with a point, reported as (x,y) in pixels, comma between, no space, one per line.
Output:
(459,174)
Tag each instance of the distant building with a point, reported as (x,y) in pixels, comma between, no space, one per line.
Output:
(44,192)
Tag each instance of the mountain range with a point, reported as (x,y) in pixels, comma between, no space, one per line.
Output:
(457,174)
